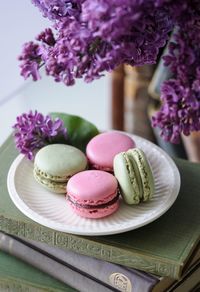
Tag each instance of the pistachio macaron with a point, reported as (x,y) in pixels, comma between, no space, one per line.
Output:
(134,175)
(54,164)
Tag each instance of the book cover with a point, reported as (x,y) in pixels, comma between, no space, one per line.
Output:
(79,271)
(54,268)
(191,282)
(64,265)
(162,247)
(15,275)
(188,280)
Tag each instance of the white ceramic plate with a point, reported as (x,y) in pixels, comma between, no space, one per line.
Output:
(51,209)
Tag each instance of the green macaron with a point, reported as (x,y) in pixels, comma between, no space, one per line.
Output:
(134,175)
(54,164)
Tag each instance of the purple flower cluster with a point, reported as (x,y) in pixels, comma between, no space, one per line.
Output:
(92,36)
(33,131)
(57,9)
(30,60)
(180,111)
(96,36)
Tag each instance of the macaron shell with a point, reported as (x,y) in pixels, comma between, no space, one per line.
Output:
(127,179)
(60,161)
(145,173)
(92,187)
(56,187)
(102,149)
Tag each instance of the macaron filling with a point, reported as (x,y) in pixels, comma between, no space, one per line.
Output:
(99,167)
(56,186)
(88,206)
(50,177)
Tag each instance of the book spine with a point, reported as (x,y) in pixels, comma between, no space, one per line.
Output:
(117,90)
(83,245)
(114,275)
(48,265)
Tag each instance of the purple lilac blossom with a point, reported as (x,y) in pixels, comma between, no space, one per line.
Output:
(33,131)
(105,35)
(180,96)
(91,37)
(30,60)
(57,9)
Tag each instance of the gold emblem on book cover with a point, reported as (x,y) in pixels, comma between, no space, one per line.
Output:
(121,282)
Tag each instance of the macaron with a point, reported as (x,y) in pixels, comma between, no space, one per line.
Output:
(102,149)
(93,194)
(54,164)
(134,175)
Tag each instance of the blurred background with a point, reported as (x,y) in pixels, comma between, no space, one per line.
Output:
(20,22)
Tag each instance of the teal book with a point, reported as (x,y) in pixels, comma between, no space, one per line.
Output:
(17,276)
(163,247)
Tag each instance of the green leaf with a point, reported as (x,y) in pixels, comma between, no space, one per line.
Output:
(79,130)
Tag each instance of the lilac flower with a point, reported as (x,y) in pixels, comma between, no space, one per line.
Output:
(179,113)
(33,131)
(30,60)
(47,37)
(57,9)
(105,35)
(180,110)
(93,36)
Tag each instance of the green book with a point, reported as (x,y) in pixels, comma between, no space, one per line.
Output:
(163,247)
(16,275)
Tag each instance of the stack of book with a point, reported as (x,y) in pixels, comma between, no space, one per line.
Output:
(162,256)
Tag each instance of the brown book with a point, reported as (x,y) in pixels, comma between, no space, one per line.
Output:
(136,101)
(117,88)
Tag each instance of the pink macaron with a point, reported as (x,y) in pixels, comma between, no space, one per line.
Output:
(93,194)
(102,149)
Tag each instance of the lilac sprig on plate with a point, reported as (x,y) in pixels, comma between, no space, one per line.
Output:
(33,131)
